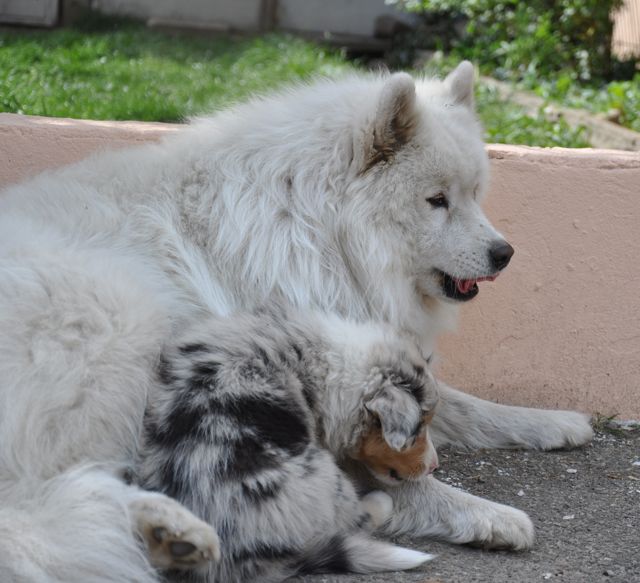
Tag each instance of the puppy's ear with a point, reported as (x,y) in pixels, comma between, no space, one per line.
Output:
(395,121)
(460,83)
(399,414)
(430,395)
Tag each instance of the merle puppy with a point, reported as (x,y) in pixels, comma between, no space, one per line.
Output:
(247,423)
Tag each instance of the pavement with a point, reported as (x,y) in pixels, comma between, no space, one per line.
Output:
(585,504)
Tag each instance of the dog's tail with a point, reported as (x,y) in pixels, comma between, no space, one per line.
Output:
(359,553)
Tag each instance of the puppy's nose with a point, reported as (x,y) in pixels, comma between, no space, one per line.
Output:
(501,254)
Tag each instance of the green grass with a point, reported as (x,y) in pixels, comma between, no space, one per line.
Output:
(135,73)
(126,71)
(507,123)
(623,96)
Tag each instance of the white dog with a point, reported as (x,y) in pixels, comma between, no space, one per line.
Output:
(359,197)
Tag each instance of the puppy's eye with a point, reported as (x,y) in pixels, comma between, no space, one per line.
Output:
(438,201)
(395,475)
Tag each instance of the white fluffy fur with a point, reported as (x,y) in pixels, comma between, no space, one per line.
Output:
(317,195)
(74,528)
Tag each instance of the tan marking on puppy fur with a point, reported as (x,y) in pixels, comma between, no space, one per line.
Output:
(409,463)
(379,457)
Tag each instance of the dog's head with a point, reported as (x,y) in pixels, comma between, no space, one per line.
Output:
(394,443)
(422,157)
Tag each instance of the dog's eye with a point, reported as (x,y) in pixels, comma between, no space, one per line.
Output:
(439,201)
(394,474)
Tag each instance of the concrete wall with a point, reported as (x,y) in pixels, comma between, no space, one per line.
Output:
(337,16)
(560,328)
(33,12)
(236,14)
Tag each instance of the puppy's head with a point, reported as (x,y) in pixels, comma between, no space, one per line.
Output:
(395,444)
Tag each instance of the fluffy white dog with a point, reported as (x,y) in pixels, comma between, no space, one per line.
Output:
(359,197)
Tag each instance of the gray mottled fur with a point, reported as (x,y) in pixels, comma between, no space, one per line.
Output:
(236,433)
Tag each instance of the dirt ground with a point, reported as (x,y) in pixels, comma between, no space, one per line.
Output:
(585,504)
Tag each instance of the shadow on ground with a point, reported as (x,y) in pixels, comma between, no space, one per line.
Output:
(585,504)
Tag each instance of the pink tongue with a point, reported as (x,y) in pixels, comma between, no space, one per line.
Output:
(464,285)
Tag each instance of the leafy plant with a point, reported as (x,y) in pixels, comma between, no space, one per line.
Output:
(619,99)
(536,37)
(507,123)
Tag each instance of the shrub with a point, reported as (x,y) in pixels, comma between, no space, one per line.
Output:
(538,37)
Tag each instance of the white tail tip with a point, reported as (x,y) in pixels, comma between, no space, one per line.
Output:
(367,555)
(408,558)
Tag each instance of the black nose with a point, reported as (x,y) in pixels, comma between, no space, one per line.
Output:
(501,254)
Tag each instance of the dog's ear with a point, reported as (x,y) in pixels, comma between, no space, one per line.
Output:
(396,118)
(460,83)
(396,115)
(399,415)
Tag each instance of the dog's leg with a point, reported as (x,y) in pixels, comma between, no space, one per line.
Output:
(79,337)
(86,525)
(75,528)
(431,508)
(467,421)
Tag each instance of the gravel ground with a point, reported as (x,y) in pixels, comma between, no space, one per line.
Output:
(585,504)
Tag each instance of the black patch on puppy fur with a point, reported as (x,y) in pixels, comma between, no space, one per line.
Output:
(278,422)
(309,395)
(183,423)
(171,482)
(297,350)
(207,369)
(191,348)
(204,377)
(248,456)
(330,558)
(259,492)
(261,354)
(164,371)
(264,552)
(411,384)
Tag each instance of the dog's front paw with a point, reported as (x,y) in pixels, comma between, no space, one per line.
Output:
(560,429)
(175,538)
(430,508)
(378,505)
(502,527)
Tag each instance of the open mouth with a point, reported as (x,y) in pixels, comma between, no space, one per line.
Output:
(462,290)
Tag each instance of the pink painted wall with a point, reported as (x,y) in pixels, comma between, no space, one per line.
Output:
(560,328)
